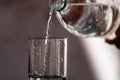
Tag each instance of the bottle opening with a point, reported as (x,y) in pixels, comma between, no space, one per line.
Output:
(58,5)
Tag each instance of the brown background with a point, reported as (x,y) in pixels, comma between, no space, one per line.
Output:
(20,19)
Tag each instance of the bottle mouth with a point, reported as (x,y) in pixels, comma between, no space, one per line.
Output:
(59,5)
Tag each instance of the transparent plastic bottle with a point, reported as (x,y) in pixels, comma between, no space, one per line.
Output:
(88,18)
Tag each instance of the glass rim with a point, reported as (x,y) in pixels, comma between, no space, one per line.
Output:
(38,38)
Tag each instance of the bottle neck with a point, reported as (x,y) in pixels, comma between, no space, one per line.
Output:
(57,5)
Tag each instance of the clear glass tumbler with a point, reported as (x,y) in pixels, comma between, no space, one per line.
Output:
(47,62)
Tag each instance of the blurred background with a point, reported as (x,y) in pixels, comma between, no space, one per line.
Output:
(20,19)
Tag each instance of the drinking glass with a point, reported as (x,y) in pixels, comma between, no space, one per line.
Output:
(47,61)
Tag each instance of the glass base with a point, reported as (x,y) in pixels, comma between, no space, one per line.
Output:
(46,79)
